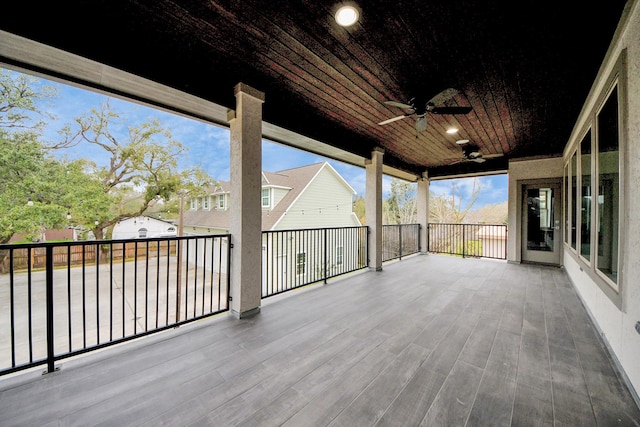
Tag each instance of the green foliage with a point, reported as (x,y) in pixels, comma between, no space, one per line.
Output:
(19,94)
(359,209)
(141,169)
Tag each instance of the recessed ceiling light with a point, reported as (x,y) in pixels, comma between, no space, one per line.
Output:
(462,141)
(452,130)
(347,16)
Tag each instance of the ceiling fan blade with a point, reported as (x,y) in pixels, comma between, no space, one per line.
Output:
(399,104)
(478,160)
(384,122)
(491,156)
(444,95)
(450,110)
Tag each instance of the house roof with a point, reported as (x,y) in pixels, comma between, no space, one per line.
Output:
(297,179)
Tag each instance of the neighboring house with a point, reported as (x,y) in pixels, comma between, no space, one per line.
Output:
(291,199)
(143,227)
(294,199)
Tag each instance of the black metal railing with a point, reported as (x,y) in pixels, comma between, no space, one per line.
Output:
(469,240)
(295,258)
(400,240)
(63,299)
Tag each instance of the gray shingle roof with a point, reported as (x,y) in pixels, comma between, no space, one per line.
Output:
(297,179)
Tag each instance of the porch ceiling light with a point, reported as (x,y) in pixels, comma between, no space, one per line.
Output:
(462,141)
(347,16)
(452,130)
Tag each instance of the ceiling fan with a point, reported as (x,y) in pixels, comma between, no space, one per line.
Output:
(471,153)
(432,106)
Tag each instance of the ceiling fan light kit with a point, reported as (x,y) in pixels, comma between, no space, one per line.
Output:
(431,107)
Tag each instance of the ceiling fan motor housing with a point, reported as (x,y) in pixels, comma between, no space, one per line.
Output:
(471,151)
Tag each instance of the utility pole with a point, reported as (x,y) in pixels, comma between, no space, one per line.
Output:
(180,234)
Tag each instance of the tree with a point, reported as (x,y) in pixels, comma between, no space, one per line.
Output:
(359,207)
(400,207)
(27,173)
(449,208)
(37,191)
(19,95)
(142,162)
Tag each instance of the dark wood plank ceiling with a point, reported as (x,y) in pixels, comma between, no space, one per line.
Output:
(524,67)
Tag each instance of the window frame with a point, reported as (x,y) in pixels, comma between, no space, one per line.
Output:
(589,132)
(615,285)
(268,198)
(616,80)
(302,264)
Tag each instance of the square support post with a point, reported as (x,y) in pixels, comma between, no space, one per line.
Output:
(244,204)
(373,208)
(423,212)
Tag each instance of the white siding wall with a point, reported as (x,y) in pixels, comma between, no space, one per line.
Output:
(129,228)
(277,194)
(325,203)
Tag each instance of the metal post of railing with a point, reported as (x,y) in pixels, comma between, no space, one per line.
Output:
(49,297)
(400,240)
(464,244)
(326,261)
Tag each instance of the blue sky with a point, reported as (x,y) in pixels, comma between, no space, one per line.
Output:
(208,145)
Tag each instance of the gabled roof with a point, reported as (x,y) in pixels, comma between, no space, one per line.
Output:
(295,179)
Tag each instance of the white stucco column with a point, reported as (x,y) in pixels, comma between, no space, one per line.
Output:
(373,208)
(244,204)
(423,211)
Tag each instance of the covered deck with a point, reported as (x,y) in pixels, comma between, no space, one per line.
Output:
(429,340)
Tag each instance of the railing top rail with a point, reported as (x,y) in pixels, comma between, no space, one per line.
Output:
(5,246)
(468,223)
(316,228)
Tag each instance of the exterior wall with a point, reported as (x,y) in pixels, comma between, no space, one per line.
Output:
(196,231)
(326,202)
(129,228)
(617,323)
(519,171)
(277,194)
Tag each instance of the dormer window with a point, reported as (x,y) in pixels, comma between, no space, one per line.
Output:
(194,204)
(205,203)
(221,202)
(266,198)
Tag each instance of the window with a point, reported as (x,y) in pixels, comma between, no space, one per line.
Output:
(339,257)
(266,198)
(585,196)
(142,233)
(301,263)
(574,196)
(205,203)
(608,182)
(221,204)
(194,204)
(597,158)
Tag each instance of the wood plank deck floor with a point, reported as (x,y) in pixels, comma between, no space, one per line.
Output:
(430,340)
